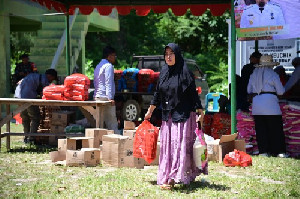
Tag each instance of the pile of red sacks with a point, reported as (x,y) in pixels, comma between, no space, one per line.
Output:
(291,122)
(221,125)
(217,125)
(75,88)
(246,128)
(53,92)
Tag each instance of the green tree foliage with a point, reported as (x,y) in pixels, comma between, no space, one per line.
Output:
(202,38)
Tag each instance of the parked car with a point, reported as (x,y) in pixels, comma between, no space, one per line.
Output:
(133,105)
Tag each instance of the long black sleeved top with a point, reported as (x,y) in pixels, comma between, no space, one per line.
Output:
(189,102)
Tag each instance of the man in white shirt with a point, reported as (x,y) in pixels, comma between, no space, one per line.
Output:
(105,86)
(263,13)
(265,83)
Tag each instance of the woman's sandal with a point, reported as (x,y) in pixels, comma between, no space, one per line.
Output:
(166,186)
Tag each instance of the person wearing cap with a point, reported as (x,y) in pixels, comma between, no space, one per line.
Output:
(245,76)
(263,13)
(265,84)
(293,83)
(29,88)
(24,68)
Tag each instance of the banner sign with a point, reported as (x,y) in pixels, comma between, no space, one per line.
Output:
(283,51)
(267,19)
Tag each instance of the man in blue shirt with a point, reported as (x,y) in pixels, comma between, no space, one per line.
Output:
(105,86)
(29,88)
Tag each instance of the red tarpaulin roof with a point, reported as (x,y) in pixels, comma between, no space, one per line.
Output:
(197,9)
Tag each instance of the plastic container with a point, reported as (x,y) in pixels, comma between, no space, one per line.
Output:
(211,102)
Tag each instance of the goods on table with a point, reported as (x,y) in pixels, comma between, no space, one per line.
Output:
(76,87)
(53,92)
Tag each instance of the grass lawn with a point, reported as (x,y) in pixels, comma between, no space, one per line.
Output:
(26,171)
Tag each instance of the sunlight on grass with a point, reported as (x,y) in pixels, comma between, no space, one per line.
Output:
(29,173)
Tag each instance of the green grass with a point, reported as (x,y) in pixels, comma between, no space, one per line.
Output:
(26,171)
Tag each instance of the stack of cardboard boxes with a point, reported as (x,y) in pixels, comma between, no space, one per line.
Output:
(99,145)
(81,151)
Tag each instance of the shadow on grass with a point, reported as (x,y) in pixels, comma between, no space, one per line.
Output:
(197,185)
(31,148)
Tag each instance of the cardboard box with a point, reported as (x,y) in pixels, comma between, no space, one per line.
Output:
(57,129)
(83,158)
(117,150)
(217,149)
(57,156)
(77,143)
(97,134)
(62,118)
(129,125)
(109,132)
(129,133)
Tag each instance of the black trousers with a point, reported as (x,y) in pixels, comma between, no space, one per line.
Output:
(269,134)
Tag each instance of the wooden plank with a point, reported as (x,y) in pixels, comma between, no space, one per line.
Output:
(89,115)
(41,102)
(97,117)
(10,116)
(42,134)
(101,116)
(8,127)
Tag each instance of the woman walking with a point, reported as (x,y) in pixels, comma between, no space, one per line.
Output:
(176,94)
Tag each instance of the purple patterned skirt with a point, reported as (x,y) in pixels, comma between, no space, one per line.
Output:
(176,152)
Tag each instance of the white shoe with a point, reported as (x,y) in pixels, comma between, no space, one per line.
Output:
(264,154)
(282,155)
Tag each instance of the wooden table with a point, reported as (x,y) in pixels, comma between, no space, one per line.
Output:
(95,108)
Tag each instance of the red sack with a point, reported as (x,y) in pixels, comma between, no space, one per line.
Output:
(237,158)
(221,125)
(145,141)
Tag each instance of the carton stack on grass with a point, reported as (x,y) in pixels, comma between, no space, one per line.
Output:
(81,151)
(45,125)
(61,119)
(117,150)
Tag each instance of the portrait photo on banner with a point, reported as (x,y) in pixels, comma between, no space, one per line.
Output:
(267,19)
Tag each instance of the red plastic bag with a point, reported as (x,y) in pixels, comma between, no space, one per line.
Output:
(145,141)
(237,158)
(18,119)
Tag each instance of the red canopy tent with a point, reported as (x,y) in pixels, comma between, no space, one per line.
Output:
(142,8)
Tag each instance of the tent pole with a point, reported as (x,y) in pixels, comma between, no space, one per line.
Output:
(233,70)
(67,42)
(256,45)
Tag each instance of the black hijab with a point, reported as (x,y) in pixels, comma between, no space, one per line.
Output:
(174,80)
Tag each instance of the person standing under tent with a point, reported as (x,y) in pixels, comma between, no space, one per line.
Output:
(105,86)
(265,83)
